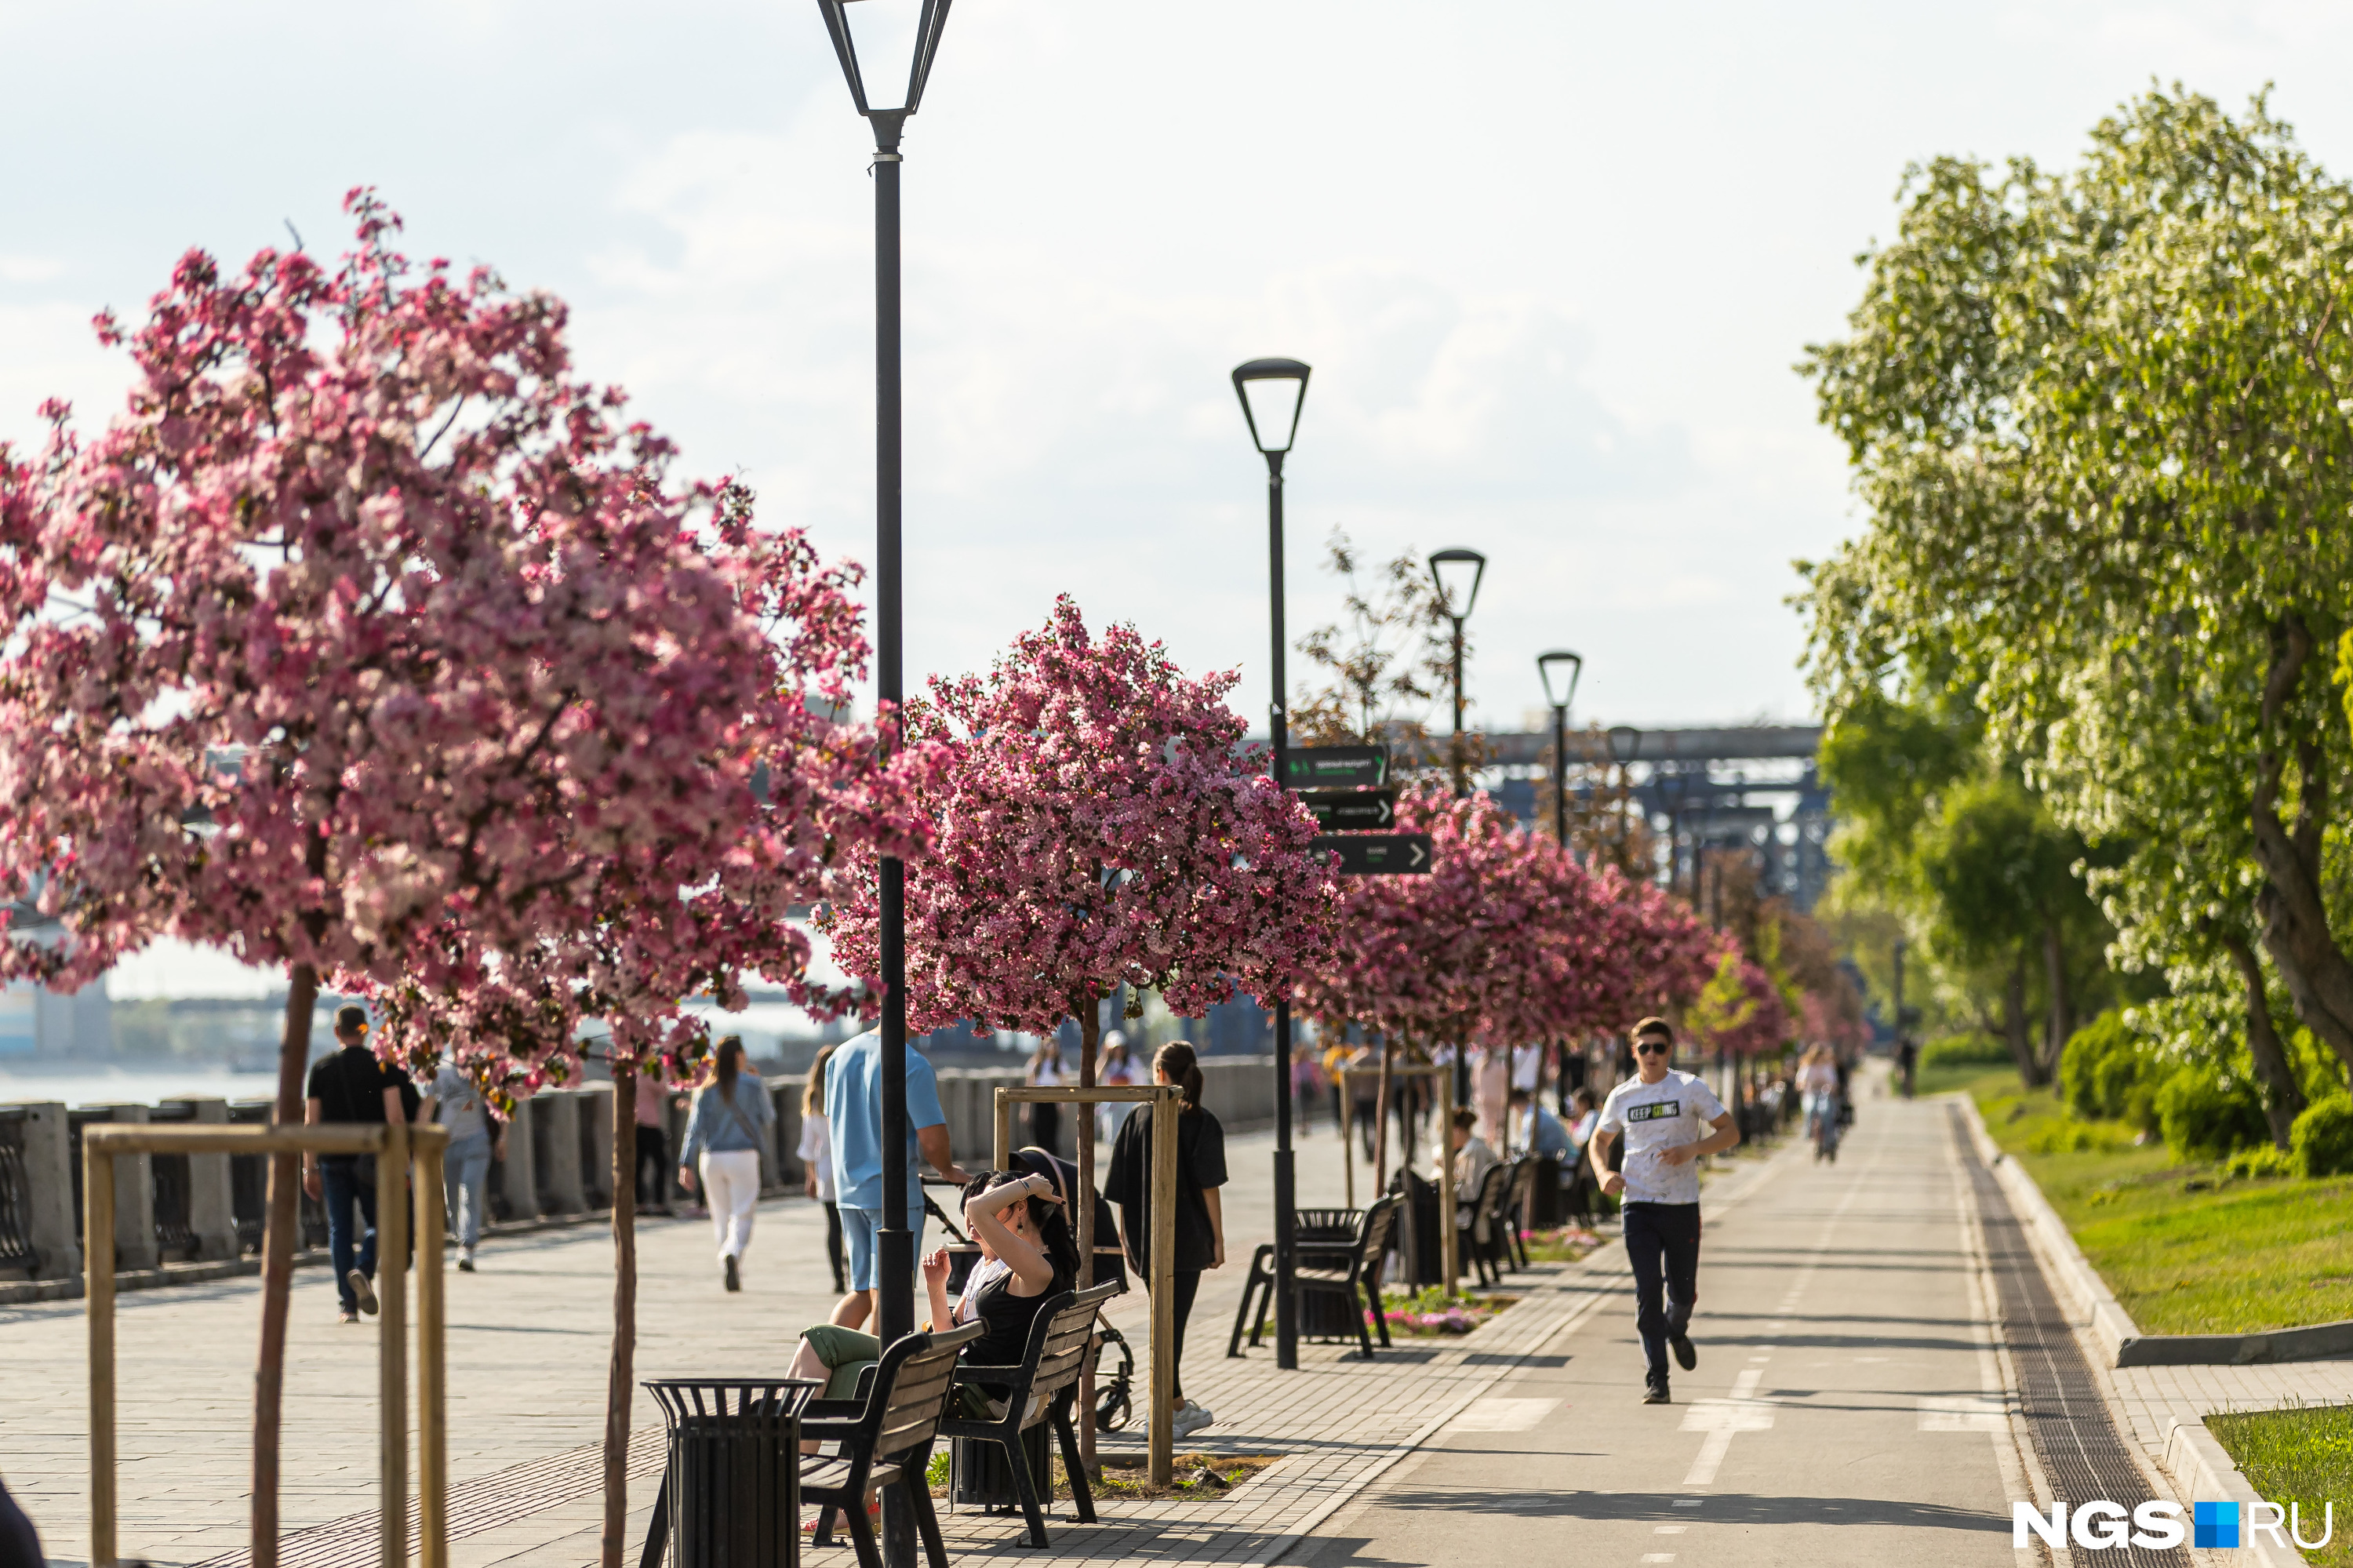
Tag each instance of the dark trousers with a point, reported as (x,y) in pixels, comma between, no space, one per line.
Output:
(1662,1243)
(1181,1292)
(833,1247)
(653,1167)
(1046,1126)
(339,1181)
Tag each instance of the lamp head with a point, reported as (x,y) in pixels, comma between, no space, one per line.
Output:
(1625,741)
(1457,572)
(1568,667)
(1273,391)
(889,35)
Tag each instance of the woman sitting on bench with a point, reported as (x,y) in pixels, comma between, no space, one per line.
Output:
(1018,1221)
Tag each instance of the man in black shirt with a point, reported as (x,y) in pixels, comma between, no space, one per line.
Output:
(352,1085)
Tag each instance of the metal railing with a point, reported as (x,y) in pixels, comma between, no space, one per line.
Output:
(16,1250)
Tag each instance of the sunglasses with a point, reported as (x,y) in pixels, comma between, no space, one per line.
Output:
(1653,1048)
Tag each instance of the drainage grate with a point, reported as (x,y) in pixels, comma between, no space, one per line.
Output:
(2083,1456)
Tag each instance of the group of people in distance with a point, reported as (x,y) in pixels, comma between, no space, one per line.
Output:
(1658,1123)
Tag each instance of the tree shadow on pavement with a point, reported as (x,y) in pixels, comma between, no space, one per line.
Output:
(1716,1509)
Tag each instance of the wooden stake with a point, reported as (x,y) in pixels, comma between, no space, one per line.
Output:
(98,1298)
(1450,1241)
(1166,1109)
(392,1327)
(432,1373)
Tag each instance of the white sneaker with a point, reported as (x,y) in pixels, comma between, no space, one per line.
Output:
(1190,1419)
(466,1259)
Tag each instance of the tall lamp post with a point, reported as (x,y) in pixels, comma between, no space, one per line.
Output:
(1625,744)
(1457,572)
(1272,392)
(892,30)
(1572,668)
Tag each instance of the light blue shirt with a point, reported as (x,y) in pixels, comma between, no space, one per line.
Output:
(853,1116)
(713,1127)
(1547,1135)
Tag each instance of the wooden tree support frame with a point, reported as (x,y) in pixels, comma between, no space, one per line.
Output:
(396,1150)
(1449,1240)
(1163,1435)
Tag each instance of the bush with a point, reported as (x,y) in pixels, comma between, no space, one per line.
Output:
(2322,1138)
(2259,1164)
(1965,1051)
(2205,1118)
(2109,1071)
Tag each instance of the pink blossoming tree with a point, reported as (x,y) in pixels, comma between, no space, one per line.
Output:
(1099,825)
(369,643)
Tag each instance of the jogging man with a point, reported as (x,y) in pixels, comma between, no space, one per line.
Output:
(1666,1118)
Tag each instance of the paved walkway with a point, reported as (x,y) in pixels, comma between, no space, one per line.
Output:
(1849,1405)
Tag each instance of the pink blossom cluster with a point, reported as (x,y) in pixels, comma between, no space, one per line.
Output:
(1098,823)
(368,639)
(1506,939)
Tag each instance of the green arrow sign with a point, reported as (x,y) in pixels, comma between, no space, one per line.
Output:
(1378,854)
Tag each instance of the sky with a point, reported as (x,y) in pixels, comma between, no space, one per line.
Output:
(1552,262)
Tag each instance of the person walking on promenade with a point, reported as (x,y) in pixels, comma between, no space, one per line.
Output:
(1045,1072)
(853,1120)
(1668,1119)
(732,1115)
(1818,1081)
(1200,1241)
(816,1155)
(1304,1081)
(1114,1067)
(352,1085)
(475,1139)
(653,1140)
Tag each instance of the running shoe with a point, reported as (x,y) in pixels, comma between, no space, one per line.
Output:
(465,1260)
(734,1279)
(1686,1356)
(1656,1393)
(365,1289)
(347,1317)
(1190,1419)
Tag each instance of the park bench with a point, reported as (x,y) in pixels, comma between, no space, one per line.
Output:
(1044,1387)
(1519,1203)
(1352,1272)
(1484,1224)
(884,1438)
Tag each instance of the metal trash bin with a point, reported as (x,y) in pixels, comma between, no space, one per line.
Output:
(978,1475)
(1326,1237)
(731,1493)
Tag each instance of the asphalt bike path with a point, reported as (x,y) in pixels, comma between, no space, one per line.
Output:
(1847,1407)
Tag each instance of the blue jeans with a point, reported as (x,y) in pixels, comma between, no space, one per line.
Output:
(1662,1243)
(466,1184)
(338,1180)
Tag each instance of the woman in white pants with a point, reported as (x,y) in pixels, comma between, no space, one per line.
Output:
(732,1116)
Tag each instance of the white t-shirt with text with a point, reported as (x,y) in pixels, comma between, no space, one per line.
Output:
(1677,1110)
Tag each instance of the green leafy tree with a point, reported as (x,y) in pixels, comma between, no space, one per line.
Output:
(2100,421)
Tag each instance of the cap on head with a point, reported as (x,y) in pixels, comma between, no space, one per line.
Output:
(351,1020)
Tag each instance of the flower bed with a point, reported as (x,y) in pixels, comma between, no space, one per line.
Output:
(1431,1314)
(1564,1245)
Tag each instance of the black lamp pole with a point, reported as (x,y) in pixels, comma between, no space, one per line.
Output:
(1546,664)
(1278,388)
(894,1243)
(1442,563)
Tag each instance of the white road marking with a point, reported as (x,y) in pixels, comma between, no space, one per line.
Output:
(1689,1502)
(1964,1413)
(1657,1557)
(1724,1419)
(1502,1414)
(1670,1530)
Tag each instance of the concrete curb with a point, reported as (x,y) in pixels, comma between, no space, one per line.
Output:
(2203,1471)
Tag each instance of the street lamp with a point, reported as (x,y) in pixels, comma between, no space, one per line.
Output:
(1625,745)
(1457,572)
(1572,667)
(888,32)
(1272,392)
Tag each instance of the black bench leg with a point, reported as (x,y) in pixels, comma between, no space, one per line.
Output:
(823,1534)
(1364,1330)
(927,1519)
(861,1534)
(1025,1484)
(1372,1283)
(658,1527)
(1073,1466)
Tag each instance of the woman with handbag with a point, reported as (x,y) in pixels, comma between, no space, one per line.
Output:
(732,1115)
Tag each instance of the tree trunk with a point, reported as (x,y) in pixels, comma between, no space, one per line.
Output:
(1089,1011)
(2294,911)
(620,1381)
(2284,1096)
(2013,1025)
(278,1236)
(2061,1022)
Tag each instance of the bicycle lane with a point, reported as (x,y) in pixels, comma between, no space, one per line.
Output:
(1847,1406)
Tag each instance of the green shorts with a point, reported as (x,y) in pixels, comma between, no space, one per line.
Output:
(847,1353)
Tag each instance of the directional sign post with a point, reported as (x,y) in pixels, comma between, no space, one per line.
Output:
(1360,809)
(1337,768)
(1378,854)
